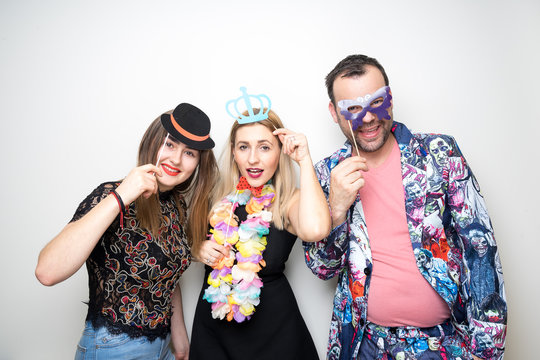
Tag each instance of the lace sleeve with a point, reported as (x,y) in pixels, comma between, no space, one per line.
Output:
(93,199)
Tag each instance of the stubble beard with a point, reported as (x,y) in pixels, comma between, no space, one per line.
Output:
(376,144)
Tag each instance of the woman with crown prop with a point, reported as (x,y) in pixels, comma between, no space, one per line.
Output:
(247,309)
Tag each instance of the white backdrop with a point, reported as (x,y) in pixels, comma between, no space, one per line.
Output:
(81,80)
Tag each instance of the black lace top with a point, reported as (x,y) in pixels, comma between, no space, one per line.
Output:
(131,275)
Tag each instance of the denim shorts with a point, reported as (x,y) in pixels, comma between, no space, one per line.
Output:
(100,344)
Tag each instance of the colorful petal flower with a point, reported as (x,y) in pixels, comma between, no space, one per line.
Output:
(234,290)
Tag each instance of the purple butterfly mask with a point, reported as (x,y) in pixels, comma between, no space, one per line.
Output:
(377,103)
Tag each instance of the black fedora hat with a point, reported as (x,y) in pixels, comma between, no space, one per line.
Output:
(190,125)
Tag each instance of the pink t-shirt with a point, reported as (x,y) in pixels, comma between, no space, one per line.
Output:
(398,294)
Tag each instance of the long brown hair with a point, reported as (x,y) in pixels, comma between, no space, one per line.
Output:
(283,179)
(194,191)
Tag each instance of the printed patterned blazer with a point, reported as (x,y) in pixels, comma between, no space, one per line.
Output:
(452,239)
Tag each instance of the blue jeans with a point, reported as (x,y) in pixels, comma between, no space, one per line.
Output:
(100,344)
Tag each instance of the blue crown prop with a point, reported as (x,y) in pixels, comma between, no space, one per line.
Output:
(263,100)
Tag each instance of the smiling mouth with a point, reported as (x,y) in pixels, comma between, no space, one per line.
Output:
(254,173)
(169,170)
(370,130)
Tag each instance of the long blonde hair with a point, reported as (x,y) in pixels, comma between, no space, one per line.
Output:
(195,190)
(283,179)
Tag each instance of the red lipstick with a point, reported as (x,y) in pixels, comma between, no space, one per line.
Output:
(254,173)
(170,170)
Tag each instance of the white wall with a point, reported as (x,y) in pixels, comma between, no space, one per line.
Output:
(81,80)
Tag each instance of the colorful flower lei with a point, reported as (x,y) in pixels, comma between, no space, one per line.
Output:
(234,286)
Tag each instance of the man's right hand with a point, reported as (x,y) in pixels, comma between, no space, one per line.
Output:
(345,181)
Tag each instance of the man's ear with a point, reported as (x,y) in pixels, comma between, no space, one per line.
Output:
(332,110)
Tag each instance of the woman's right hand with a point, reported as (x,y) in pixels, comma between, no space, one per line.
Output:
(140,181)
(211,252)
(68,251)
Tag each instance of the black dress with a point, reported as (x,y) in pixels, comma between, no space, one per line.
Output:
(275,331)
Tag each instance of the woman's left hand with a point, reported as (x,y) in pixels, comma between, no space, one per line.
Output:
(308,211)
(294,144)
(181,349)
(211,252)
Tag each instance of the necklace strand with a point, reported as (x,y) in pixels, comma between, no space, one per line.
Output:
(234,284)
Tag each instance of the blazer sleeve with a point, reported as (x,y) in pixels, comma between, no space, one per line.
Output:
(482,278)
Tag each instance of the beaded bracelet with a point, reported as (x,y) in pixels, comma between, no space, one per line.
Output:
(121,206)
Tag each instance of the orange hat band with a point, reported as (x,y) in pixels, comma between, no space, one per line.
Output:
(186,133)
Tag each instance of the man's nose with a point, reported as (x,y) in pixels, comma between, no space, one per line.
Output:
(369,117)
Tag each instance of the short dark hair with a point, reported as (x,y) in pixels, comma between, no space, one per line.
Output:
(352,65)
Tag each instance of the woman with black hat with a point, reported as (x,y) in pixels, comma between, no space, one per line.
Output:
(134,236)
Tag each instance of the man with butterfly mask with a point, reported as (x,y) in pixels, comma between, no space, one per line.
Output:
(395,294)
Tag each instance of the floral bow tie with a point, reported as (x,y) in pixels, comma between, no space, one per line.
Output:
(244,185)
